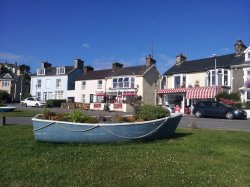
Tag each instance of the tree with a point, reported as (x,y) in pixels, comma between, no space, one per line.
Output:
(4,70)
(24,69)
(4,97)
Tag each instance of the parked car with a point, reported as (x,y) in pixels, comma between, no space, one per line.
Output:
(217,110)
(33,101)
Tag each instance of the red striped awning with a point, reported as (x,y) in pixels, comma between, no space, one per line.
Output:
(129,93)
(100,94)
(172,90)
(202,92)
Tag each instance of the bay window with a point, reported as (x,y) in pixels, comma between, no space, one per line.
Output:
(220,79)
(124,82)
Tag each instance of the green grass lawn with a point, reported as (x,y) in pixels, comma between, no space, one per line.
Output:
(20,113)
(195,157)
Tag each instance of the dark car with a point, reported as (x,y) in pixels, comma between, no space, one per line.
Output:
(217,110)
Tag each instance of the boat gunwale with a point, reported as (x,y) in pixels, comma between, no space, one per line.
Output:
(103,124)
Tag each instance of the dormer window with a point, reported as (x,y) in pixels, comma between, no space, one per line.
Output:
(41,71)
(60,70)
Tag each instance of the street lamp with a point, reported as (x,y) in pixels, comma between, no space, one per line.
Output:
(215,72)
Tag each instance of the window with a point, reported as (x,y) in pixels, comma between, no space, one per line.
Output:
(120,82)
(99,99)
(60,70)
(248,95)
(41,71)
(5,83)
(132,82)
(225,77)
(58,83)
(177,81)
(83,85)
(59,94)
(115,83)
(248,54)
(38,95)
(83,98)
(48,83)
(99,84)
(39,83)
(126,82)
(222,77)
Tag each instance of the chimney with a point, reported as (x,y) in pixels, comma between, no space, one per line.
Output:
(150,61)
(18,72)
(88,69)
(239,47)
(45,65)
(79,64)
(180,58)
(116,66)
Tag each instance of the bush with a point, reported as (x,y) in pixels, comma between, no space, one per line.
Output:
(235,96)
(4,97)
(247,105)
(150,112)
(55,102)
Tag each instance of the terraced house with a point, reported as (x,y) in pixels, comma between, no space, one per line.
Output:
(119,86)
(11,81)
(53,82)
(188,81)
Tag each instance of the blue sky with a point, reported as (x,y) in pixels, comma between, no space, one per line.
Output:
(101,32)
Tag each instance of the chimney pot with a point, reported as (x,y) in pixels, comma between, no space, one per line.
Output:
(180,58)
(150,61)
(79,64)
(116,66)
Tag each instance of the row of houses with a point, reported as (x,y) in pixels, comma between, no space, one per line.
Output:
(182,84)
(11,81)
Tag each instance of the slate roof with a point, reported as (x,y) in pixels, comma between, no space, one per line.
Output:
(51,71)
(7,77)
(101,74)
(200,65)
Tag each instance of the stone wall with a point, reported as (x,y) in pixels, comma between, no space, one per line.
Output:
(237,81)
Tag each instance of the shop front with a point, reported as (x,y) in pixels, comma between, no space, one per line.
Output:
(185,98)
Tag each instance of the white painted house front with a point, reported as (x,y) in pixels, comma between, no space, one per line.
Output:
(54,82)
(119,86)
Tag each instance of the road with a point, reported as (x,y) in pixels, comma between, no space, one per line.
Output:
(209,123)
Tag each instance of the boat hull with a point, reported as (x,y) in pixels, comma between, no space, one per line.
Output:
(7,108)
(69,132)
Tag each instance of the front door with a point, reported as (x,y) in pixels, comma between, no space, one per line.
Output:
(91,97)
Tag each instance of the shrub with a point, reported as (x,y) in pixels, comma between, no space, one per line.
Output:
(4,97)
(247,105)
(55,102)
(78,117)
(232,96)
(150,112)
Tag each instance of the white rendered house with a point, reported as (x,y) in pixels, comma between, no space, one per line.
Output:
(54,82)
(119,86)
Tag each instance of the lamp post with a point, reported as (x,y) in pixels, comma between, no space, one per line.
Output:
(215,72)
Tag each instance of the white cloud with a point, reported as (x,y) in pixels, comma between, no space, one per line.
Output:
(164,62)
(225,50)
(86,45)
(20,59)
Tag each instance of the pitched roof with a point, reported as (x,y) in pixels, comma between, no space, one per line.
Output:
(102,74)
(224,61)
(6,76)
(51,71)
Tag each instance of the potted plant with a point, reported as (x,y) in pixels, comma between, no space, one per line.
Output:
(247,83)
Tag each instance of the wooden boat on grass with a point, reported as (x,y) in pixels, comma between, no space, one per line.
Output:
(69,132)
(7,108)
